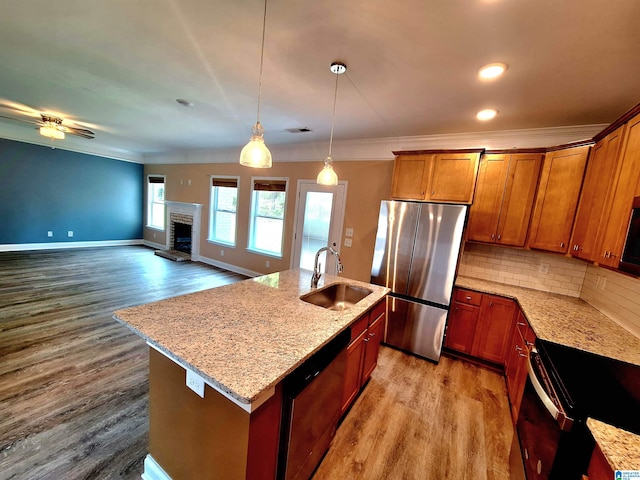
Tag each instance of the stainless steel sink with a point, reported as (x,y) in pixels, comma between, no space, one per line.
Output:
(337,296)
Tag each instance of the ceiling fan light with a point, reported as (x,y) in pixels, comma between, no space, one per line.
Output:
(327,175)
(255,153)
(51,131)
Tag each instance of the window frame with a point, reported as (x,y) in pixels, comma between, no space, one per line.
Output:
(151,202)
(213,209)
(253,214)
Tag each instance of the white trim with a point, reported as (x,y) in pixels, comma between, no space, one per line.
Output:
(157,246)
(227,266)
(252,206)
(18,247)
(247,407)
(153,470)
(211,207)
(381,148)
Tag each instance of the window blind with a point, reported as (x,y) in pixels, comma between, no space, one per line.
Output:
(267,185)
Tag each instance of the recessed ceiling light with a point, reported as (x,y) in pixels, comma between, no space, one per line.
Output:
(486,114)
(492,70)
(184,103)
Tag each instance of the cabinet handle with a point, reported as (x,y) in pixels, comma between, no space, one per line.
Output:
(499,236)
(606,254)
(366,340)
(493,236)
(467,297)
(521,355)
(521,324)
(433,192)
(518,348)
(612,255)
(372,334)
(561,244)
(490,304)
(528,343)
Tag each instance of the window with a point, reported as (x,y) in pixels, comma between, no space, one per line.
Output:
(266,229)
(155,202)
(224,204)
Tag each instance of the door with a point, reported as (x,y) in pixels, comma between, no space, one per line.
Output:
(394,244)
(318,223)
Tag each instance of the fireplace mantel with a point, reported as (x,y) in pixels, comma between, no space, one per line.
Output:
(192,209)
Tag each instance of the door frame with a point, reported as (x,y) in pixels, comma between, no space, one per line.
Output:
(296,217)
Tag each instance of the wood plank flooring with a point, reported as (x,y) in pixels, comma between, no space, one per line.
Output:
(418,420)
(73,381)
(74,391)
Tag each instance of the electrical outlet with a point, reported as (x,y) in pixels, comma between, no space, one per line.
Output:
(154,234)
(189,182)
(267,263)
(347,242)
(70,233)
(543,268)
(49,233)
(349,233)
(195,382)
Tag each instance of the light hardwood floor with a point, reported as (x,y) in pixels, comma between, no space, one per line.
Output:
(73,381)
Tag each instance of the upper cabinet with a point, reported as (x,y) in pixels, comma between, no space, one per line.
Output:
(611,236)
(504,197)
(557,200)
(598,185)
(435,175)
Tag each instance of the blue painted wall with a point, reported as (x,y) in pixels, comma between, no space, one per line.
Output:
(45,189)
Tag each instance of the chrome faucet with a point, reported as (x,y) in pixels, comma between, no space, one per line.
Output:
(316,266)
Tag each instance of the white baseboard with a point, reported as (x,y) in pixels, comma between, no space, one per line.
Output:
(157,246)
(227,266)
(153,471)
(18,247)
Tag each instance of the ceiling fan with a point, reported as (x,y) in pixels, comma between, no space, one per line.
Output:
(50,125)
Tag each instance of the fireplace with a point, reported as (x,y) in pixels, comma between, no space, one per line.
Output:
(183,232)
(181,237)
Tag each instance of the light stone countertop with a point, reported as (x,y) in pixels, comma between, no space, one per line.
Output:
(620,448)
(565,320)
(246,337)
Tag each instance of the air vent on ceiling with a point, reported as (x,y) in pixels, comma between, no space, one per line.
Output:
(299,130)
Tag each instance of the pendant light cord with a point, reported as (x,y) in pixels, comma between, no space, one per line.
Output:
(333,115)
(264,25)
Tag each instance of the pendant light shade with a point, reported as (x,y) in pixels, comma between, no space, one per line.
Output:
(327,175)
(255,153)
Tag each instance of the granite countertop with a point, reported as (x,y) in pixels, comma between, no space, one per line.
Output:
(619,447)
(244,338)
(565,320)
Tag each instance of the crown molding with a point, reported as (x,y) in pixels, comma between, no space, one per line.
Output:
(383,148)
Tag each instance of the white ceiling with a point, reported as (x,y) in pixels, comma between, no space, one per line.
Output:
(117,67)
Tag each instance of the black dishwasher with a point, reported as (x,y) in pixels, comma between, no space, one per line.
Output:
(311,409)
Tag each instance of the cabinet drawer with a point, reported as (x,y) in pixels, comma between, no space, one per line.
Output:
(467,296)
(379,309)
(359,326)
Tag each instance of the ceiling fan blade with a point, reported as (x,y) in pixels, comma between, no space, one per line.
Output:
(32,122)
(81,132)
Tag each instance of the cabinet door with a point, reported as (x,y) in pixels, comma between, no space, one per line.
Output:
(598,181)
(557,199)
(522,339)
(462,327)
(372,348)
(353,371)
(410,176)
(485,210)
(494,328)
(517,203)
(454,177)
(618,207)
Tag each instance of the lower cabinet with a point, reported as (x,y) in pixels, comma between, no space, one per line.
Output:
(516,368)
(362,352)
(599,468)
(480,325)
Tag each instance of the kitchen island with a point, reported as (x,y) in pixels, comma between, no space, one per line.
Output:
(217,362)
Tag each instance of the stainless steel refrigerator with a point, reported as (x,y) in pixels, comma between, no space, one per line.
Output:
(416,256)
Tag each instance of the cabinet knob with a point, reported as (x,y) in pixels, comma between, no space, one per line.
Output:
(491,304)
(561,244)
(433,192)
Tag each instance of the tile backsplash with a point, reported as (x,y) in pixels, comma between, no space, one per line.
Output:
(524,268)
(614,294)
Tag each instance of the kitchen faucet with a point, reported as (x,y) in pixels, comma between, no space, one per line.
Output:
(316,266)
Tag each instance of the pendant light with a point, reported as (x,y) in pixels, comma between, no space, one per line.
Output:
(255,153)
(327,175)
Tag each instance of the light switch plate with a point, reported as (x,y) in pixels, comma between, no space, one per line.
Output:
(195,382)
(347,242)
(349,232)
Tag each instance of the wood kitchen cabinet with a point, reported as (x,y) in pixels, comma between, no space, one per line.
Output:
(362,352)
(599,468)
(504,197)
(522,340)
(598,182)
(612,234)
(435,175)
(480,325)
(557,199)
